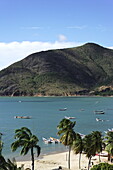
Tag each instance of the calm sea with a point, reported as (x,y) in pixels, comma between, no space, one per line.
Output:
(46,116)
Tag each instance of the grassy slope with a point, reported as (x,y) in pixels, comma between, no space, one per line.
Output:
(59,72)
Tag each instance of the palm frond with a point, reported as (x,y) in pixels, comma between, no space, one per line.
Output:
(15,145)
(25,129)
(38,149)
(25,150)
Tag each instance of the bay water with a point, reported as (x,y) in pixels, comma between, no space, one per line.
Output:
(45,116)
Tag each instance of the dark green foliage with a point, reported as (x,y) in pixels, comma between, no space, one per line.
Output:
(72,71)
(66,129)
(27,141)
(102,166)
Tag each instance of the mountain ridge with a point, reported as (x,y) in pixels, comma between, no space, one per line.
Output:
(61,72)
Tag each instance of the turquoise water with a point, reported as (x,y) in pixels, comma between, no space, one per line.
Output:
(46,116)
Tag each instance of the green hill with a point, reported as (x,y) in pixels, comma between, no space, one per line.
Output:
(86,69)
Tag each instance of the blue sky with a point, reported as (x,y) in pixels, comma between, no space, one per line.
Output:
(28,26)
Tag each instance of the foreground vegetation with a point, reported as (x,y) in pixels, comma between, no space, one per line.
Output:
(90,144)
(102,166)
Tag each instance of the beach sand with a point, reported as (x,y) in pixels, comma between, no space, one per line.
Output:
(53,161)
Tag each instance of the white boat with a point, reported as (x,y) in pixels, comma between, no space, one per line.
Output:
(51,140)
(98,119)
(109,130)
(54,140)
(63,109)
(66,117)
(46,140)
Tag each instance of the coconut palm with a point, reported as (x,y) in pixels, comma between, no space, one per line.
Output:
(109,143)
(89,150)
(27,141)
(97,142)
(68,135)
(92,144)
(77,146)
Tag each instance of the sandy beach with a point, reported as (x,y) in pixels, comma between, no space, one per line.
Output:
(53,161)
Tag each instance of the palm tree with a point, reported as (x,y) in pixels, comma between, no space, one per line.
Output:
(27,141)
(92,144)
(87,142)
(109,143)
(68,135)
(97,142)
(77,146)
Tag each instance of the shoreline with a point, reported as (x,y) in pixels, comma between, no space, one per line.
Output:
(22,158)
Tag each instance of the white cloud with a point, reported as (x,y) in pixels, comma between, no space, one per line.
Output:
(15,51)
(62,37)
(77,27)
(32,28)
(110,47)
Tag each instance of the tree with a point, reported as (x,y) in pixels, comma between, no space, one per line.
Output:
(3,163)
(97,142)
(27,141)
(77,146)
(8,165)
(87,141)
(109,144)
(92,145)
(68,135)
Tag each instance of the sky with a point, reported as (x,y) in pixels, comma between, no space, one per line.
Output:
(28,26)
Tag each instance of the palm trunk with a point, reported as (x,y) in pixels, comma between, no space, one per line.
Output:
(69,157)
(109,156)
(32,158)
(99,158)
(79,161)
(89,163)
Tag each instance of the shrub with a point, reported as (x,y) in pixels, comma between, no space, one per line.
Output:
(102,166)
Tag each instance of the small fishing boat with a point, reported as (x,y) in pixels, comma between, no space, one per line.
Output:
(54,140)
(98,119)
(109,130)
(46,141)
(99,112)
(22,117)
(63,109)
(66,117)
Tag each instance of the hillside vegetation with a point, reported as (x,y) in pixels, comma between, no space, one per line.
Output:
(86,69)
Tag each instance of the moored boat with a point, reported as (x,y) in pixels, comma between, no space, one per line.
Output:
(22,117)
(46,140)
(63,109)
(99,112)
(66,117)
(50,140)
(54,140)
(98,119)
